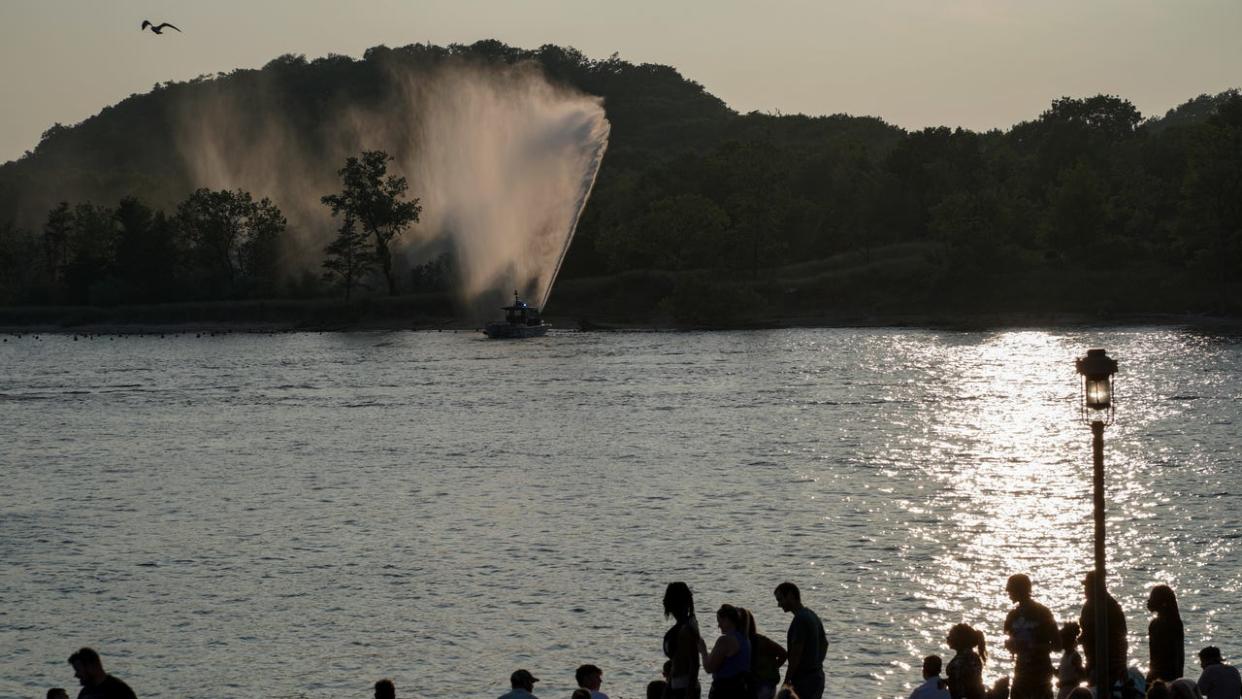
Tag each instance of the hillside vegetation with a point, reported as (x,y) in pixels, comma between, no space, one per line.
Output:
(699,211)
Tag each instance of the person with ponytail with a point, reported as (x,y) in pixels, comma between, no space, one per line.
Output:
(965,671)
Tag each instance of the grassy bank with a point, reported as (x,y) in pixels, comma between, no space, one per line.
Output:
(902,285)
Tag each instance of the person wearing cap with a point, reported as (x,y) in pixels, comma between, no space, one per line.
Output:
(1032,635)
(523,684)
(1218,681)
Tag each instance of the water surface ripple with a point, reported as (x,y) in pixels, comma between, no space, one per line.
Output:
(299,515)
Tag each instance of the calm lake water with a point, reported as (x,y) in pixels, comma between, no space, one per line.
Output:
(302,514)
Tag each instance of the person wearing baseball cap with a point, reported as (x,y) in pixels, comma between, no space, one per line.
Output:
(523,684)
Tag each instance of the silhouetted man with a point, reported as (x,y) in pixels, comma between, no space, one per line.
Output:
(97,684)
(523,684)
(591,677)
(1032,635)
(933,686)
(385,689)
(1218,681)
(806,642)
(1117,646)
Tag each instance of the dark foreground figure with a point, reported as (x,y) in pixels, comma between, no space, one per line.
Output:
(807,644)
(1032,635)
(97,684)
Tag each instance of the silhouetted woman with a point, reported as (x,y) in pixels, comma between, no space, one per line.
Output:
(1166,635)
(681,643)
(965,671)
(766,658)
(729,659)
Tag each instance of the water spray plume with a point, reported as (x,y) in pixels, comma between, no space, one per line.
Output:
(502,159)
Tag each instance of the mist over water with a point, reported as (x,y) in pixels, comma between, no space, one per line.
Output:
(502,159)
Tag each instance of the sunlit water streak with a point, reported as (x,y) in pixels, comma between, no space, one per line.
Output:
(302,514)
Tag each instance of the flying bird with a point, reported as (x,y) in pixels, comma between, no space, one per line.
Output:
(157,28)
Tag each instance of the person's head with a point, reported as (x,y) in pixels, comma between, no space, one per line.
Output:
(678,601)
(385,689)
(931,666)
(1210,656)
(1018,587)
(1069,635)
(655,689)
(1000,689)
(1184,688)
(786,692)
(1081,693)
(589,676)
(788,596)
(963,637)
(729,618)
(748,624)
(1163,602)
(1088,586)
(57,693)
(581,693)
(1159,690)
(87,667)
(522,679)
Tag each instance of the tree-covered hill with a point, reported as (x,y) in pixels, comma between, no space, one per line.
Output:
(713,207)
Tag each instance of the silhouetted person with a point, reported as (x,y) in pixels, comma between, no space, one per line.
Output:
(97,684)
(1158,690)
(385,689)
(806,642)
(729,659)
(581,693)
(1032,635)
(1185,688)
(1166,636)
(965,672)
(766,658)
(933,686)
(523,684)
(1070,672)
(157,28)
(590,678)
(1117,647)
(1218,681)
(57,693)
(681,643)
(656,689)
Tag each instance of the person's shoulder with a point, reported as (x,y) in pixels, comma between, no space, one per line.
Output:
(115,688)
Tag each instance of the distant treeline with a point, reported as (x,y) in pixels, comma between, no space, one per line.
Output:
(1087,190)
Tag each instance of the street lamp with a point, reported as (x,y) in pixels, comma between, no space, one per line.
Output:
(1097,370)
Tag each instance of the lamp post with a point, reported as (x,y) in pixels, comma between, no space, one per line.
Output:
(1097,370)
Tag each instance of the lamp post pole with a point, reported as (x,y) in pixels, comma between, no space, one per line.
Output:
(1097,370)
(1102,683)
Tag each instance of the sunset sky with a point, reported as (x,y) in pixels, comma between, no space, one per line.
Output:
(978,64)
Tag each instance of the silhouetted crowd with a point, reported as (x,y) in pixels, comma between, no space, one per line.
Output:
(745,664)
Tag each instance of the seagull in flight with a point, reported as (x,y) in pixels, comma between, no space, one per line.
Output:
(157,28)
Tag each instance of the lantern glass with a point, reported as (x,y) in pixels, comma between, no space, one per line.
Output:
(1099,393)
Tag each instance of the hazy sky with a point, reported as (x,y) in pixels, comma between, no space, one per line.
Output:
(979,64)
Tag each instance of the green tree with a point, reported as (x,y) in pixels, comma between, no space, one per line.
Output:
(233,240)
(56,242)
(374,200)
(349,257)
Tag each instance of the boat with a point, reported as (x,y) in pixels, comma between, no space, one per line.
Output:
(521,320)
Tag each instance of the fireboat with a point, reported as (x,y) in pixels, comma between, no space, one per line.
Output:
(521,320)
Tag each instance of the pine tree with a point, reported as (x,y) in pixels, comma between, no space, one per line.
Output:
(349,257)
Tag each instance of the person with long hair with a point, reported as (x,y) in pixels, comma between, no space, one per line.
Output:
(729,659)
(766,658)
(1166,635)
(965,671)
(681,643)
